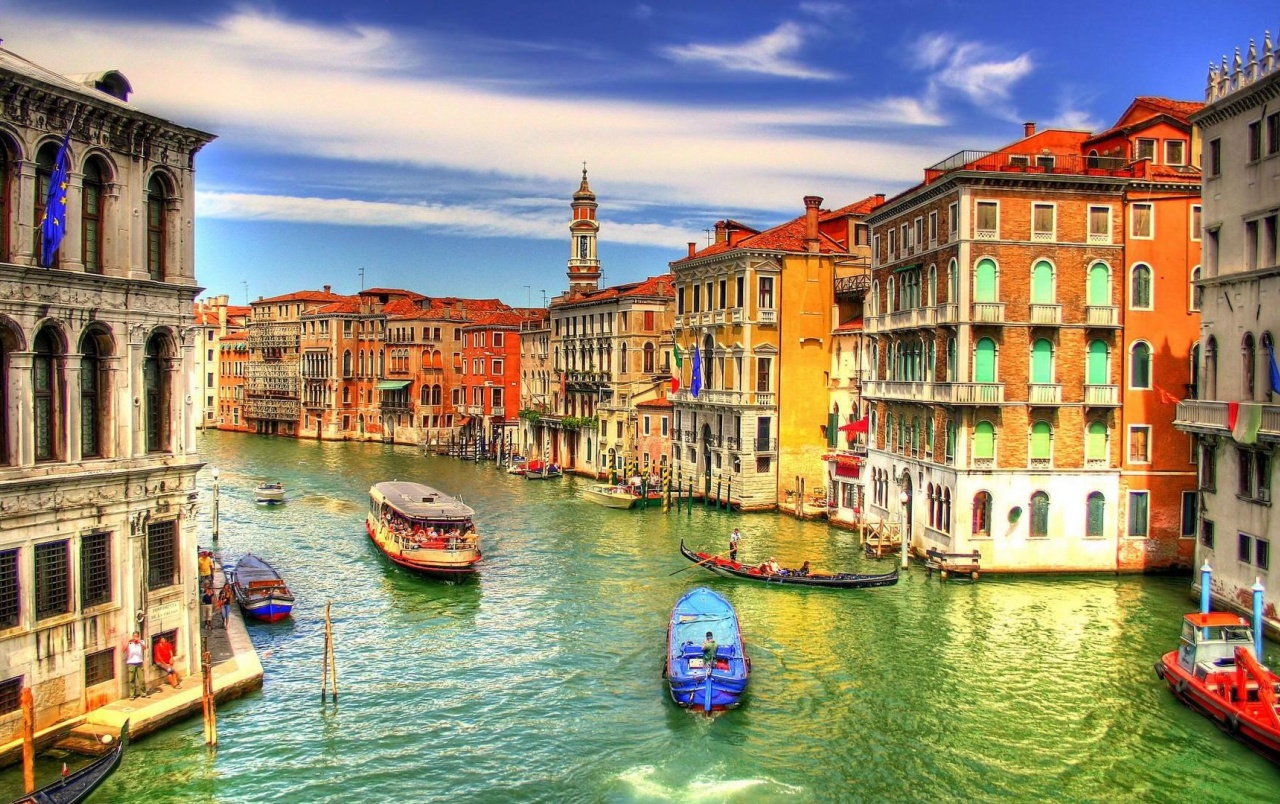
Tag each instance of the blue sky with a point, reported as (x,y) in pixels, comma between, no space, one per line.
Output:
(437,147)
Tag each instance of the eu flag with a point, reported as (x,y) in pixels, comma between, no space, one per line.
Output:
(695,382)
(54,224)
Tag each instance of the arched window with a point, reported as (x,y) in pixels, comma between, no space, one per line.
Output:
(931,361)
(1042,361)
(649,363)
(932,506)
(1041,442)
(888,297)
(1140,365)
(155,383)
(94,396)
(953,283)
(1096,506)
(1096,364)
(875,298)
(622,359)
(91,217)
(928,435)
(1140,287)
(1042,283)
(1092,161)
(436,395)
(984,441)
(982,514)
(951,441)
(346,363)
(47,389)
(6,179)
(951,359)
(984,281)
(708,362)
(1098,292)
(157,234)
(1197,292)
(1211,368)
(1195,370)
(931,289)
(425,395)
(946,510)
(360,360)
(1039,515)
(1248,364)
(984,361)
(1095,443)
(346,394)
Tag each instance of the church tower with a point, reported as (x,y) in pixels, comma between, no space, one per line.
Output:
(584,265)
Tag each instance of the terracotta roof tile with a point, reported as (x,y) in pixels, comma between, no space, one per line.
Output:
(789,236)
(656,403)
(850,326)
(234,336)
(303,295)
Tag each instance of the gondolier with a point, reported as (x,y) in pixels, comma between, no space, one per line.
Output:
(734,538)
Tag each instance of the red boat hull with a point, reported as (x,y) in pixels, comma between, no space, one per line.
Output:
(1247,723)
(454,574)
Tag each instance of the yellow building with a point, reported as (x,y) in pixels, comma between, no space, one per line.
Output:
(755,308)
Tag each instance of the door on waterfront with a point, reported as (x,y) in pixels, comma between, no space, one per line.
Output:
(907,506)
(706,459)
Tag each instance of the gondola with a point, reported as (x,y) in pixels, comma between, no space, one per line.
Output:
(841,580)
(80,785)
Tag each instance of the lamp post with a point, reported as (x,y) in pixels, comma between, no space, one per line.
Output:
(215,506)
(905,499)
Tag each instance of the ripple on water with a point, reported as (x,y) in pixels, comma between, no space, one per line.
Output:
(540,681)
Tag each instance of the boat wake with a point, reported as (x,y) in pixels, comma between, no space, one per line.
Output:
(647,787)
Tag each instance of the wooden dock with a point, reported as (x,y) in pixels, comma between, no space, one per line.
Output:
(953,565)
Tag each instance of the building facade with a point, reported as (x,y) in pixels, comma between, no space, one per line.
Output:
(216,318)
(97,445)
(1235,418)
(754,311)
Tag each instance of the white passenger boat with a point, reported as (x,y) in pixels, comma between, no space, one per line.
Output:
(269,493)
(423,529)
(610,496)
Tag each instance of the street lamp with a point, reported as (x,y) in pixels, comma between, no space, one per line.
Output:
(215,506)
(905,499)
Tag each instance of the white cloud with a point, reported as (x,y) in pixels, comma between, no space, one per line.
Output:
(980,73)
(824,11)
(770,54)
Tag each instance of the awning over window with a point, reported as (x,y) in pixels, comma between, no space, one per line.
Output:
(392,385)
(912,267)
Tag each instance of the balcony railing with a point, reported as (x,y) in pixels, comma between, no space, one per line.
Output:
(767,316)
(1099,238)
(765,398)
(1044,394)
(717,317)
(983,463)
(732,442)
(1050,314)
(852,285)
(735,315)
(988,312)
(948,313)
(969,393)
(1057,164)
(1097,463)
(1102,315)
(873,324)
(898,389)
(766,444)
(1042,463)
(1102,395)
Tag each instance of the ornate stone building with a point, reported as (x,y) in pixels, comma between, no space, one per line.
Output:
(97,427)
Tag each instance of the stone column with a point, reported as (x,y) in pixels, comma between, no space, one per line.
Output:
(115,219)
(21,409)
(134,393)
(23,249)
(71,251)
(74,449)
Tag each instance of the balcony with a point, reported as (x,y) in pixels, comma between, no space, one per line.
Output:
(1211,417)
(969,393)
(873,324)
(732,443)
(896,389)
(1041,464)
(1102,396)
(735,315)
(769,317)
(947,313)
(1046,314)
(1099,238)
(1044,394)
(1102,315)
(498,412)
(765,444)
(983,463)
(988,313)
(717,317)
(765,399)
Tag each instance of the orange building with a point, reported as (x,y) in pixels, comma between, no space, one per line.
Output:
(491,375)
(233,359)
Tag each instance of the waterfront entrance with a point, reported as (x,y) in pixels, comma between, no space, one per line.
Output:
(541,680)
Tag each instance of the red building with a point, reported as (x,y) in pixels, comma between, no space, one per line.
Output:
(491,374)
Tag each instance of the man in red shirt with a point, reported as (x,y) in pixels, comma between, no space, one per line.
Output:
(162,655)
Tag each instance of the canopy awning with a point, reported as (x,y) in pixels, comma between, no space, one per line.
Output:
(912,267)
(392,385)
(860,426)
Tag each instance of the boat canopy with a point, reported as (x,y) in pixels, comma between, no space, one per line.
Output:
(1215,618)
(417,501)
(692,623)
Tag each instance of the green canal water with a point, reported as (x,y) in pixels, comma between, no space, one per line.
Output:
(540,682)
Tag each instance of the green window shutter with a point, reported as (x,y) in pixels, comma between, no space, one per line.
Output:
(984,361)
(1096,368)
(1096,442)
(1042,361)
(1097,511)
(1042,283)
(1099,290)
(984,440)
(984,283)
(1041,440)
(1137,514)
(833,421)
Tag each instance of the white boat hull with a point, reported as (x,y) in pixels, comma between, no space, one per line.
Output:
(610,499)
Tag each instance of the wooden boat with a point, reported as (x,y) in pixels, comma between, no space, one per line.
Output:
(269,493)
(1215,672)
(423,529)
(78,786)
(260,590)
(840,580)
(541,470)
(610,496)
(518,467)
(692,680)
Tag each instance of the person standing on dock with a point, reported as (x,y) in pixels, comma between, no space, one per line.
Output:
(224,600)
(734,538)
(206,607)
(206,568)
(133,660)
(162,655)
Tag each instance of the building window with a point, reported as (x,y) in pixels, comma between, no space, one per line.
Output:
(765,301)
(155,381)
(1215,158)
(91,217)
(53,584)
(1140,443)
(1262,554)
(46,387)
(495,368)
(99,667)
(933,228)
(1043,222)
(1189,511)
(1099,224)
(763,369)
(1273,133)
(162,554)
(984,441)
(1196,292)
(1145,149)
(1206,533)
(982,514)
(157,199)
(1208,468)
(1095,516)
(1039,515)
(1140,366)
(1175,152)
(988,223)
(10,599)
(1138,513)
(1255,141)
(1254,476)
(1141,222)
(10,695)
(95,569)
(953,218)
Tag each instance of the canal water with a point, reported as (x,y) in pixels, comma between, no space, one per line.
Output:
(540,682)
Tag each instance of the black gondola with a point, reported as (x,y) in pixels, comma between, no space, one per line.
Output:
(841,580)
(78,786)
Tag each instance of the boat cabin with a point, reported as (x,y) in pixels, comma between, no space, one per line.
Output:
(1209,642)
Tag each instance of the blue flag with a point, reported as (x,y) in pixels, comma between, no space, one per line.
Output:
(695,382)
(1275,372)
(54,224)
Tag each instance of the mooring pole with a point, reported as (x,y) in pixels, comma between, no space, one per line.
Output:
(210,702)
(28,740)
(215,506)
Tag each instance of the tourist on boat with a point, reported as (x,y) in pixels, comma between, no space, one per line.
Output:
(803,571)
(734,538)
(709,651)
(162,656)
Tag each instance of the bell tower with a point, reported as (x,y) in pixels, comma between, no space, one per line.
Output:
(584,265)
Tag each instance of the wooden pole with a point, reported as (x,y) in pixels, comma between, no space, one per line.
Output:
(719,501)
(324,657)
(728,497)
(210,703)
(28,740)
(332,662)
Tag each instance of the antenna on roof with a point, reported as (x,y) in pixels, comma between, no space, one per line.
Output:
(245,282)
(544,298)
(362,277)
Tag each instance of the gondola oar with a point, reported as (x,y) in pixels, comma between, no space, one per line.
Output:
(691,566)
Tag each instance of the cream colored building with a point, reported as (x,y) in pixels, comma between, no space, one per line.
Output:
(97,439)
(215,318)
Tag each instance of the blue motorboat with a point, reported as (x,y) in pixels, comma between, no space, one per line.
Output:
(697,679)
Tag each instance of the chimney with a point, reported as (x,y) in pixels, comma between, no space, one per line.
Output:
(1028,129)
(693,248)
(721,231)
(880,198)
(327,288)
(811,204)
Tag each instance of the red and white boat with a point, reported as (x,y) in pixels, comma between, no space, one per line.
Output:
(1215,672)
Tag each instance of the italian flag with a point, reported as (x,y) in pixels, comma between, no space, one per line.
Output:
(675,376)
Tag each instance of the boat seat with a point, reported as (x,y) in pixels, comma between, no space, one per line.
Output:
(726,651)
(688,650)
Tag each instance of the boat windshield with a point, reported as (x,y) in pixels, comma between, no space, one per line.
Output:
(1236,634)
